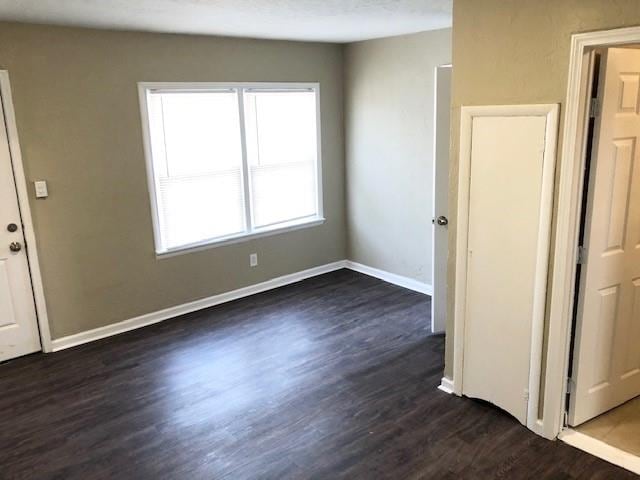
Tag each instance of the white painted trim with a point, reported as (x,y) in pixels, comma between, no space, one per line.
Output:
(446,385)
(601,450)
(246,176)
(550,112)
(171,312)
(568,220)
(196,86)
(25,211)
(319,171)
(389,277)
(152,186)
(146,88)
(259,233)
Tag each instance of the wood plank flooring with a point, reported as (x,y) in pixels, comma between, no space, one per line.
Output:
(331,378)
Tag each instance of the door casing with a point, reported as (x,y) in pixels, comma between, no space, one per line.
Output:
(25,211)
(569,206)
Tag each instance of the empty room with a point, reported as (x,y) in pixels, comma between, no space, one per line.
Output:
(319,240)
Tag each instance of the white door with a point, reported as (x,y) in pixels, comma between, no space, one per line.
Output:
(606,369)
(18,324)
(506,254)
(440,198)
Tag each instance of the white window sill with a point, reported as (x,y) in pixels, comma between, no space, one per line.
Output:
(243,237)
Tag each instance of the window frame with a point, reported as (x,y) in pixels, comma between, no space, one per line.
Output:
(251,232)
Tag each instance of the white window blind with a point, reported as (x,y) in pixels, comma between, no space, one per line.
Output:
(281,149)
(230,161)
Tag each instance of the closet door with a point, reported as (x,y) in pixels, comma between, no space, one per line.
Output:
(509,192)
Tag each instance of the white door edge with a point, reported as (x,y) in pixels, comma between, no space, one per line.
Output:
(25,211)
(435,328)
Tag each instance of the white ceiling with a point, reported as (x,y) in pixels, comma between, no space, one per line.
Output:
(316,20)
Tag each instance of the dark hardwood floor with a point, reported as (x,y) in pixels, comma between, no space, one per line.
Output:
(333,377)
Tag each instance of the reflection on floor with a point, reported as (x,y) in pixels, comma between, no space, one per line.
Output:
(331,378)
(619,427)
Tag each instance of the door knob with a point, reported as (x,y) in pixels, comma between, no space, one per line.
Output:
(15,246)
(442,220)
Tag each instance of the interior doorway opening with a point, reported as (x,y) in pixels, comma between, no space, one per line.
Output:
(602,410)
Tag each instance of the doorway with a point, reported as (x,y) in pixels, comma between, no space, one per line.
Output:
(603,402)
(606,359)
(21,297)
(592,378)
(442,139)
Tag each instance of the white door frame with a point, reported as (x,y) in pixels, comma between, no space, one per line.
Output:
(550,111)
(25,211)
(435,328)
(570,189)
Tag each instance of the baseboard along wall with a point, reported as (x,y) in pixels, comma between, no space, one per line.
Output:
(399,280)
(172,312)
(446,385)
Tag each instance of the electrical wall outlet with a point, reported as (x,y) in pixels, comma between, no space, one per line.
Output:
(253,260)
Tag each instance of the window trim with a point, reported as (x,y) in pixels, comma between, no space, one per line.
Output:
(144,88)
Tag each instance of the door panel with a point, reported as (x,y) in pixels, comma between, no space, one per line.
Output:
(607,344)
(7,314)
(18,323)
(632,354)
(507,159)
(618,183)
(440,198)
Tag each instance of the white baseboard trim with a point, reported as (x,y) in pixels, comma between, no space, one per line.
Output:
(399,280)
(601,450)
(171,312)
(446,385)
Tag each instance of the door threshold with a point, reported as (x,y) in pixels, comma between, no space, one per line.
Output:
(600,449)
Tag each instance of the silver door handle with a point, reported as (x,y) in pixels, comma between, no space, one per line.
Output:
(442,220)
(15,246)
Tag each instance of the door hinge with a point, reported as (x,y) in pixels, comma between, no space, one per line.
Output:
(569,386)
(526,394)
(581,256)
(594,108)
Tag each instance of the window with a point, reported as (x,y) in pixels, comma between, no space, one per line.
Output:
(226,162)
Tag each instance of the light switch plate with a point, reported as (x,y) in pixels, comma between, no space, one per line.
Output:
(41,189)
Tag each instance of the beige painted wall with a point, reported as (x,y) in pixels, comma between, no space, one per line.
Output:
(389,132)
(79,125)
(514,52)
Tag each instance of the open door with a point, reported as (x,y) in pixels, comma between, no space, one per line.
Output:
(442,124)
(606,361)
(19,334)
